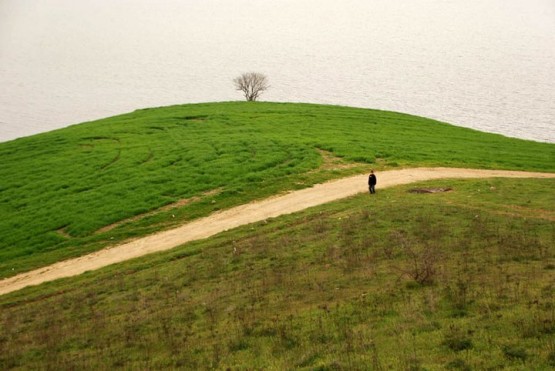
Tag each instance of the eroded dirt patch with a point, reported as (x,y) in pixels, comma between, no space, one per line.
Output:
(332,162)
(62,232)
(430,190)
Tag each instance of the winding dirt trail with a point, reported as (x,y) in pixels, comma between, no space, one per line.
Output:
(245,214)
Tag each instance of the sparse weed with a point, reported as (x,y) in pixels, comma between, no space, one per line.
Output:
(422,260)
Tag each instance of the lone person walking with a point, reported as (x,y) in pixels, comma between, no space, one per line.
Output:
(372,182)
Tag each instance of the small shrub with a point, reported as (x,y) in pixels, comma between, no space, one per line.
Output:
(457,295)
(551,358)
(423,260)
(238,345)
(514,352)
(457,340)
(413,364)
(458,313)
(458,364)
(423,265)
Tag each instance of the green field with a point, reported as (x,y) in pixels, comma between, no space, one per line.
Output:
(462,280)
(75,190)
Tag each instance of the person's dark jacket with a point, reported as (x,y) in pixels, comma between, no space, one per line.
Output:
(372,179)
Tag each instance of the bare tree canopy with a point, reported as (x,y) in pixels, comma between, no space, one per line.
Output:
(251,84)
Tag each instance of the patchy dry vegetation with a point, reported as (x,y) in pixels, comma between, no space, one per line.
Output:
(75,190)
(457,280)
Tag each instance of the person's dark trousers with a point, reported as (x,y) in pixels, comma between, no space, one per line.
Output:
(372,189)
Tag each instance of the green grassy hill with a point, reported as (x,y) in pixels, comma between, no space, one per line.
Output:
(462,280)
(75,190)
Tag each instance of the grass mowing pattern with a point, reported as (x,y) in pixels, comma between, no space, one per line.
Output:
(330,288)
(59,188)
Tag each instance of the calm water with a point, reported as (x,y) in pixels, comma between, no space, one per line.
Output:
(485,64)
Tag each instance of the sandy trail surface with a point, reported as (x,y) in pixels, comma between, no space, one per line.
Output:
(245,214)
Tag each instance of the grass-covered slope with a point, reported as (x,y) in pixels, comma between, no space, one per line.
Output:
(59,190)
(462,280)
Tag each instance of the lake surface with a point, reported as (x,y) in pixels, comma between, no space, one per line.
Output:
(484,64)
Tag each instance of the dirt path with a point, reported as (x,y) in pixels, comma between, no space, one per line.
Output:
(241,215)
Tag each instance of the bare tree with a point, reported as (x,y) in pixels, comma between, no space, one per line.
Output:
(251,84)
